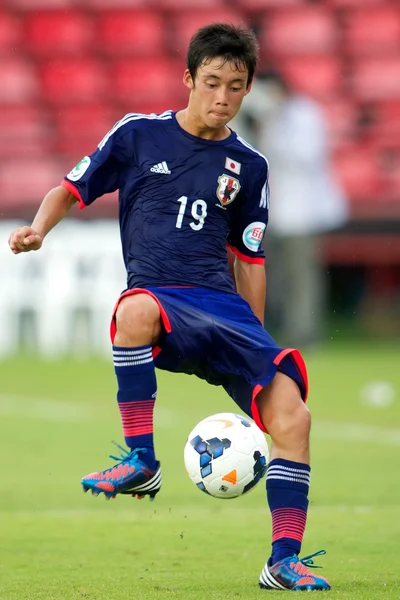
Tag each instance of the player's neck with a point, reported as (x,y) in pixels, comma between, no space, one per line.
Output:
(195,126)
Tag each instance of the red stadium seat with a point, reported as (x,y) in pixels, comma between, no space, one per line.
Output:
(384,128)
(10,33)
(352,3)
(298,31)
(19,83)
(185,24)
(318,76)
(25,181)
(342,122)
(40,4)
(73,81)
(180,5)
(119,4)
(54,33)
(79,129)
(376,79)
(148,79)
(24,131)
(131,32)
(357,170)
(372,31)
(259,5)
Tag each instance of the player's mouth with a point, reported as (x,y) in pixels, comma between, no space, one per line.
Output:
(220,115)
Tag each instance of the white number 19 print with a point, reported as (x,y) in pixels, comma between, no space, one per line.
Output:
(199,213)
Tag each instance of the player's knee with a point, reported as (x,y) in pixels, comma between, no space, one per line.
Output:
(294,424)
(138,321)
(282,410)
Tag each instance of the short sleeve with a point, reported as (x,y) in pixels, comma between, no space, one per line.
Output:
(101,172)
(251,217)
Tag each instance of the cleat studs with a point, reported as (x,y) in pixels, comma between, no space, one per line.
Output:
(140,497)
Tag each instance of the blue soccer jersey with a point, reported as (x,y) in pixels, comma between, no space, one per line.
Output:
(182,200)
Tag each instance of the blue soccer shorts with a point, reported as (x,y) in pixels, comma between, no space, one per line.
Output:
(216,336)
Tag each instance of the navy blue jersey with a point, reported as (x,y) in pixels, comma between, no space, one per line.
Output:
(182,200)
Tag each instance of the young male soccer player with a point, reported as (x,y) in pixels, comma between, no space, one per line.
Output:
(188,185)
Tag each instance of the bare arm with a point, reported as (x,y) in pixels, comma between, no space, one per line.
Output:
(251,284)
(52,210)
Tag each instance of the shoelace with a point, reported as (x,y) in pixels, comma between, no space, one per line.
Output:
(128,455)
(308,560)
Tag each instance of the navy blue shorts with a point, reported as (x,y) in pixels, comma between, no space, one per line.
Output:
(216,336)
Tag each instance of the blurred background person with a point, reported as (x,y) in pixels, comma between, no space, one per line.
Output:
(290,129)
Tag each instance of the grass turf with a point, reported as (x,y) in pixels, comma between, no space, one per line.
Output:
(57,543)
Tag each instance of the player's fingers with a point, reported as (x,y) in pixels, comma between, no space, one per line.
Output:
(32,242)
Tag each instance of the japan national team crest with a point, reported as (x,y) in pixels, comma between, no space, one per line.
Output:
(228,189)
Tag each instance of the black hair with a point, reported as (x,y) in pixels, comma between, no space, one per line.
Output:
(230,42)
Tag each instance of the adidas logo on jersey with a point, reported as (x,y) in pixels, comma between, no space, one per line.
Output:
(161,168)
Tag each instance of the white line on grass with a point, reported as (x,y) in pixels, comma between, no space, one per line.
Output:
(42,409)
(356,432)
(48,409)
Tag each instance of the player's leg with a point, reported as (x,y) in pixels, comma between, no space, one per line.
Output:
(138,325)
(287,419)
(270,384)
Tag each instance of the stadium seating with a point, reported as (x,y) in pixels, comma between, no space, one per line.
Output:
(374,31)
(19,82)
(25,180)
(142,81)
(67,81)
(184,24)
(376,78)
(80,128)
(310,30)
(10,33)
(58,33)
(136,33)
(69,69)
(357,169)
(318,76)
(26,131)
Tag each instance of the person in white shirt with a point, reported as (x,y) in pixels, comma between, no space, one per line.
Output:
(290,129)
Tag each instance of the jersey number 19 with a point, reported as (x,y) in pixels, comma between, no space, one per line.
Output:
(199,213)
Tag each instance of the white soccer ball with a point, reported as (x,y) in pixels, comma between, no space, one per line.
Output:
(226,455)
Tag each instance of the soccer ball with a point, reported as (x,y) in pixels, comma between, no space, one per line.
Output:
(226,455)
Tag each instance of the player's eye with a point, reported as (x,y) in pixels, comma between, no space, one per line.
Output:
(236,89)
(211,85)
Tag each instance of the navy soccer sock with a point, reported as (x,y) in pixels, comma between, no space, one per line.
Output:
(287,490)
(137,390)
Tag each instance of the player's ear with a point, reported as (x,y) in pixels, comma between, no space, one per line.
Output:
(187,79)
(248,89)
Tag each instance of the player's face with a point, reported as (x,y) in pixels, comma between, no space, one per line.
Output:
(217,92)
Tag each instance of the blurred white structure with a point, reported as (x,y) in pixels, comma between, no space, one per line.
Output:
(59,300)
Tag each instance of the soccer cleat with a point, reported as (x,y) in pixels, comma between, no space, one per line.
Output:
(129,476)
(292,573)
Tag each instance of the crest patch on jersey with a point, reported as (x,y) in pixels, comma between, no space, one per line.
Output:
(80,169)
(228,189)
(253,235)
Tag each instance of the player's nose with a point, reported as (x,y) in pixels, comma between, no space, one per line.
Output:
(222,96)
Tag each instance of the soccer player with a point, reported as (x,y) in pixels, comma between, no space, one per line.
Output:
(188,187)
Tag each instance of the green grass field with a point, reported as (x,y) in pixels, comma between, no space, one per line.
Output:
(56,543)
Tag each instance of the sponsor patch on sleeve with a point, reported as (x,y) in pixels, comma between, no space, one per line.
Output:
(253,235)
(80,169)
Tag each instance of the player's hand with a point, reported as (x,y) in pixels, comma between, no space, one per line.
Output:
(24,239)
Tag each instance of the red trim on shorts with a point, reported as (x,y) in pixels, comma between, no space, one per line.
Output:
(256,260)
(164,317)
(73,190)
(301,366)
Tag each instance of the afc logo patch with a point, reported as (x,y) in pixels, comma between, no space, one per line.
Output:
(228,189)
